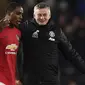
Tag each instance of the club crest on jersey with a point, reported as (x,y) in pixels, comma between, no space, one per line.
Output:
(35,34)
(52,35)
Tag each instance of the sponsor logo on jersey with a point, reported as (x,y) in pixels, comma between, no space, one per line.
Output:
(13,53)
(12,47)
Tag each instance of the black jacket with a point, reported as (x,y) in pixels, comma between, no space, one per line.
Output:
(19,63)
(42,46)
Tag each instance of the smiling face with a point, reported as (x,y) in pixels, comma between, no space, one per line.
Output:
(42,15)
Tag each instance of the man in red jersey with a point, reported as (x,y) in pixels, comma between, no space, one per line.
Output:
(9,43)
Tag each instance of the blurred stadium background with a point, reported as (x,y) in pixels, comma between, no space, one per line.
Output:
(70,16)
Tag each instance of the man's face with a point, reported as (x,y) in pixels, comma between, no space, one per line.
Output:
(42,15)
(16,16)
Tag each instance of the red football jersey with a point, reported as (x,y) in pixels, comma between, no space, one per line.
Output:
(9,42)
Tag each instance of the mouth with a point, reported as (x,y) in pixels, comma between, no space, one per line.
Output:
(18,22)
(42,21)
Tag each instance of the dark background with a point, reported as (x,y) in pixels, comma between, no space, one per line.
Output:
(70,15)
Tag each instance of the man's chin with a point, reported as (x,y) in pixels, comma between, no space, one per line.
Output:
(42,24)
(17,25)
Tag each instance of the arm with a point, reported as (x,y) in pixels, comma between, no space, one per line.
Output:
(4,22)
(70,53)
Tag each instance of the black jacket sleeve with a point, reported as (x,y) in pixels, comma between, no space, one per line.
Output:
(19,65)
(70,53)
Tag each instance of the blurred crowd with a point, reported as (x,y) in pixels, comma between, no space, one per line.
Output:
(70,16)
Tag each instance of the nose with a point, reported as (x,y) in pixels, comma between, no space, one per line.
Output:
(42,17)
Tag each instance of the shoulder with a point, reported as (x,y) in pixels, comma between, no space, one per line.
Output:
(17,32)
(55,27)
(27,25)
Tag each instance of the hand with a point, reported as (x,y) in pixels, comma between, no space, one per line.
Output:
(5,21)
(18,82)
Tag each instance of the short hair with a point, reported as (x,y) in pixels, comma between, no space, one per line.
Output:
(41,5)
(12,6)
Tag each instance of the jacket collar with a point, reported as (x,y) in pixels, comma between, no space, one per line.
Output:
(48,26)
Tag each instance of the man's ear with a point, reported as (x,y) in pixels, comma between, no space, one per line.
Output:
(9,13)
(50,15)
(8,16)
(33,15)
